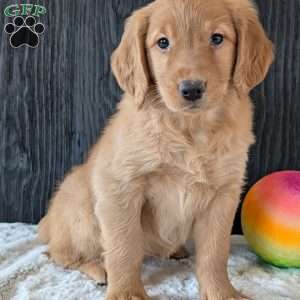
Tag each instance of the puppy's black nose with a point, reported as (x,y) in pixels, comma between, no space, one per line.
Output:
(192,90)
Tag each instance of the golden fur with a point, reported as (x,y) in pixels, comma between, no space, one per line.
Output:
(164,170)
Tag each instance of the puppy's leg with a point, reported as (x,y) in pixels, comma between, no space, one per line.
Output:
(118,209)
(212,238)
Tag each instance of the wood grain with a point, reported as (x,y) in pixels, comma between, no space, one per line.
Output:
(56,99)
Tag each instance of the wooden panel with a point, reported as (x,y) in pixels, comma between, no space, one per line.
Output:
(56,99)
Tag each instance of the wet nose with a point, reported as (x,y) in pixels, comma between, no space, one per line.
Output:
(192,90)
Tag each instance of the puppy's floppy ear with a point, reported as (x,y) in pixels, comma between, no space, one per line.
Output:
(129,60)
(254,49)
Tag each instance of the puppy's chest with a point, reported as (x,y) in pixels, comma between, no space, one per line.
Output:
(181,186)
(177,190)
(181,174)
(173,200)
(169,205)
(188,154)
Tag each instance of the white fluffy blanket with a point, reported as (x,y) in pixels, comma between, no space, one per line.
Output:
(27,274)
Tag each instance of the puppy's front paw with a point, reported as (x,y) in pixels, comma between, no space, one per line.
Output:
(127,296)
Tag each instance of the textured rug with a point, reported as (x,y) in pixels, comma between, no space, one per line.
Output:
(27,274)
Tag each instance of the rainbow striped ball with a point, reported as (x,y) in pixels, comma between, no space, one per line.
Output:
(271,218)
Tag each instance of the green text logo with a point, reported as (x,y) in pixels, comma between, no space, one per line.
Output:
(24,10)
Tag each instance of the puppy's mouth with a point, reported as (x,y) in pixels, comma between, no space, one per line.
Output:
(196,106)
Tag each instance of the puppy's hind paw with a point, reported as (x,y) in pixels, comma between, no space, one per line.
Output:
(96,271)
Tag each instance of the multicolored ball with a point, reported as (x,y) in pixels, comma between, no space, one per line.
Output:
(271,218)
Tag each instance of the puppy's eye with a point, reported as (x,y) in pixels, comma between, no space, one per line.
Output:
(163,43)
(216,39)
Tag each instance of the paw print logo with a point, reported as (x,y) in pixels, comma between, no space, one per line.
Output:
(24,31)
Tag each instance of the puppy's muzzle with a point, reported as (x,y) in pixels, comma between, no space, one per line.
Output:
(192,90)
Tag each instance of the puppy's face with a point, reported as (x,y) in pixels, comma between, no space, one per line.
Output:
(191,48)
(193,51)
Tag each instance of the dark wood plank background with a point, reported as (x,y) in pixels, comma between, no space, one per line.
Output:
(54,100)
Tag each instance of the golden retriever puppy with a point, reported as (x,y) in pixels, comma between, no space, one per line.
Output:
(171,163)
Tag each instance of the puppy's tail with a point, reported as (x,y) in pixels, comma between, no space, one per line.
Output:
(43,230)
